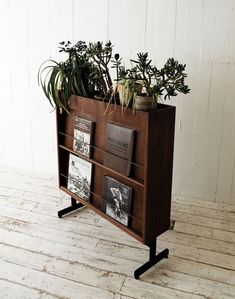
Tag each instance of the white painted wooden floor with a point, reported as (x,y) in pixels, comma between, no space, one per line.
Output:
(83,256)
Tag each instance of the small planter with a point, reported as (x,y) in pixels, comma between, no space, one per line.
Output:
(98,98)
(144,102)
(125,95)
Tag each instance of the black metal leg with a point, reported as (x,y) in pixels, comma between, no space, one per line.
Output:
(74,206)
(153,258)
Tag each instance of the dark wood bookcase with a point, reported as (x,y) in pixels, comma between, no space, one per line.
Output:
(151,167)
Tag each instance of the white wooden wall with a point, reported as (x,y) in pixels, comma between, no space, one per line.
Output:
(200,33)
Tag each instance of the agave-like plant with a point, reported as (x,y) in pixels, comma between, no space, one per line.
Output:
(59,80)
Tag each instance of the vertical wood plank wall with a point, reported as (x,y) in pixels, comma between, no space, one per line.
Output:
(200,33)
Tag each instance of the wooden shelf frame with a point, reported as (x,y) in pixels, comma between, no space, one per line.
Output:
(93,161)
(89,205)
(151,170)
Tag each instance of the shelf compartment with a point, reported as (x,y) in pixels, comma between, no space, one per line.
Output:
(93,161)
(93,110)
(103,202)
(92,147)
(153,151)
(98,174)
(129,230)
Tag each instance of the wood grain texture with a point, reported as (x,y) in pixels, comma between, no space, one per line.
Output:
(152,161)
(42,256)
(198,33)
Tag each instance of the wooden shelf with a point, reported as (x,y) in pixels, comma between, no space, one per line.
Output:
(151,170)
(102,199)
(93,161)
(89,205)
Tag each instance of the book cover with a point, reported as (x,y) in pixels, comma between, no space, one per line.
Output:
(83,130)
(117,198)
(79,177)
(119,148)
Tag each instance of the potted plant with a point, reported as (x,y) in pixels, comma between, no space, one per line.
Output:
(125,85)
(86,73)
(148,84)
(100,55)
(128,85)
(75,75)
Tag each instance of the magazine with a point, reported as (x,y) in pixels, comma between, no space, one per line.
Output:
(117,197)
(119,148)
(79,177)
(83,131)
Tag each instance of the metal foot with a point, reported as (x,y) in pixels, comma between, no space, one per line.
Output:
(74,206)
(153,259)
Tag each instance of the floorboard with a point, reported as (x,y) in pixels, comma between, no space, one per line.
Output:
(83,256)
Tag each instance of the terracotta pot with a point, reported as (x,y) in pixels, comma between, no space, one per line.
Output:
(144,102)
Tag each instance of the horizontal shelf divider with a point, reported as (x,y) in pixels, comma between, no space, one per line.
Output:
(105,201)
(99,149)
(130,179)
(127,229)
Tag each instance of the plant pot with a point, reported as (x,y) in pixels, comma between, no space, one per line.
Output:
(144,102)
(98,97)
(125,95)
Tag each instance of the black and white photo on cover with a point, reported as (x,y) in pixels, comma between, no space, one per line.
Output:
(79,177)
(81,143)
(118,197)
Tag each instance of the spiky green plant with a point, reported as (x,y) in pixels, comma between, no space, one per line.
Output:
(59,80)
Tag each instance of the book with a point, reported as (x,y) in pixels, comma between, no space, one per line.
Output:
(119,148)
(79,177)
(83,130)
(117,197)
